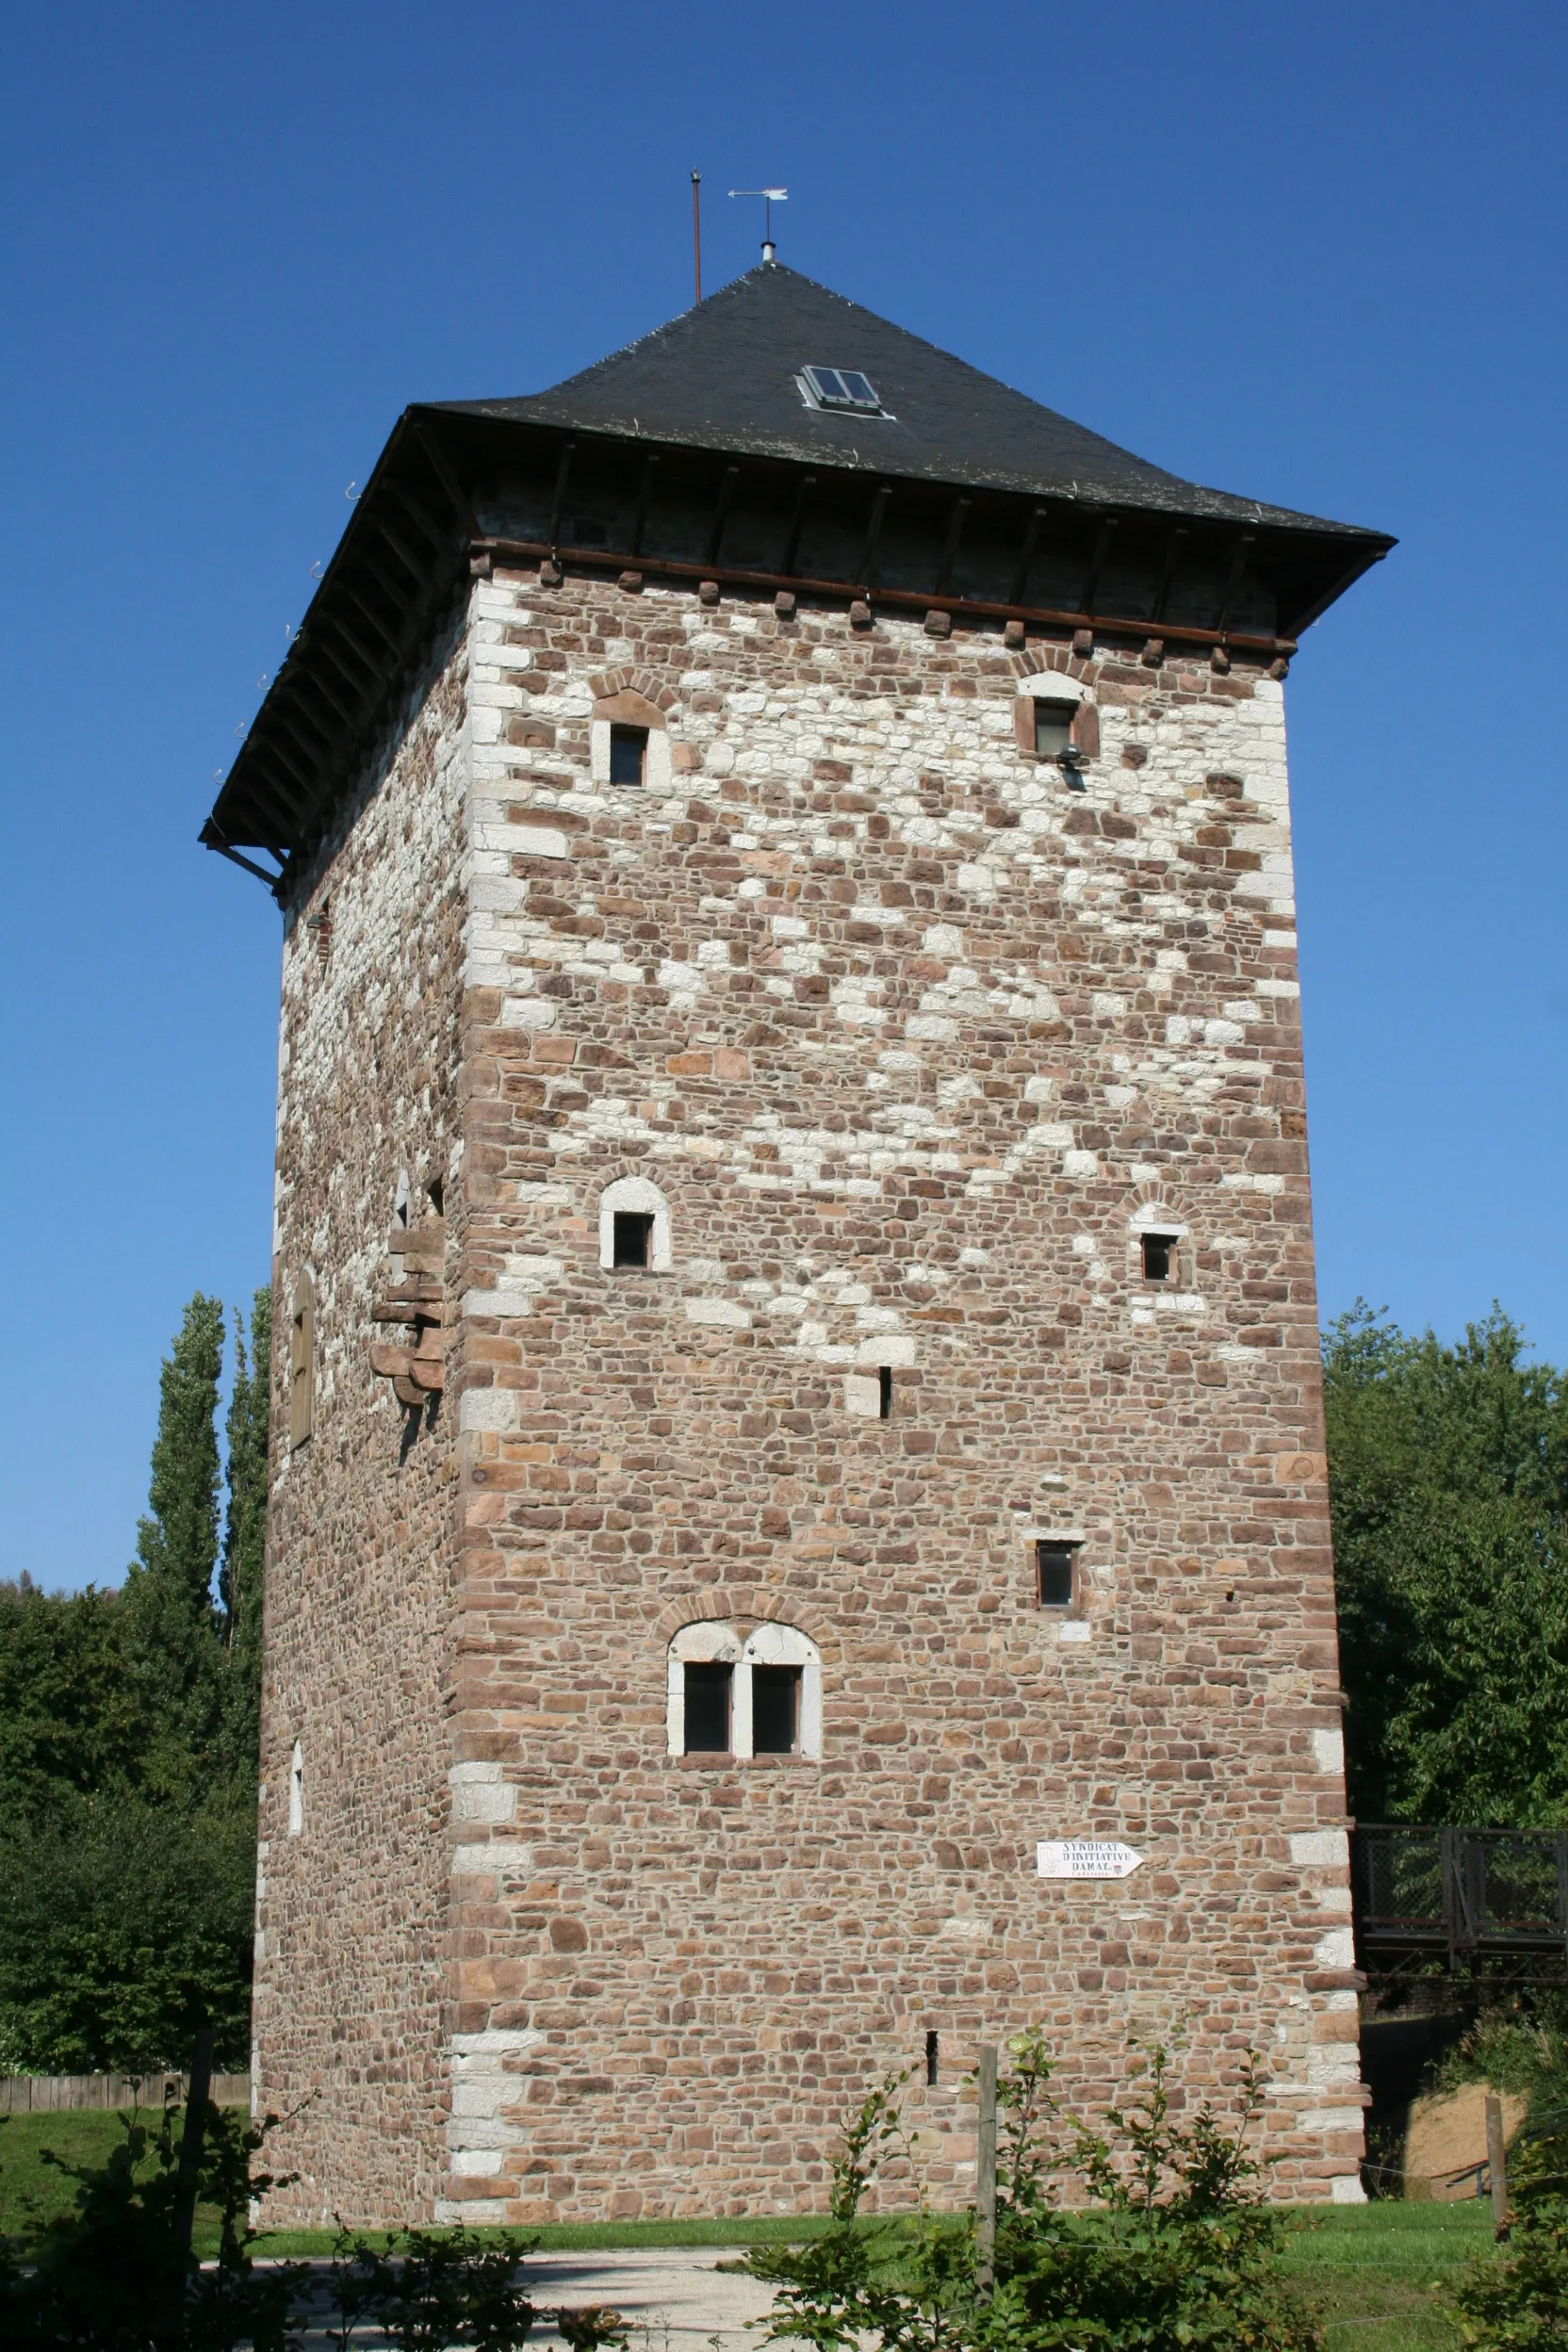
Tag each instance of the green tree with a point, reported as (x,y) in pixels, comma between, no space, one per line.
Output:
(243,1565)
(67,1718)
(171,1628)
(129,1755)
(1449,1477)
(123,1924)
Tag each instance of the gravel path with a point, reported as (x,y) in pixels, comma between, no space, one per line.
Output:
(674,2299)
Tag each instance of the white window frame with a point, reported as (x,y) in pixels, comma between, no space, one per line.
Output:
(297,1790)
(656,756)
(637,1197)
(713,1641)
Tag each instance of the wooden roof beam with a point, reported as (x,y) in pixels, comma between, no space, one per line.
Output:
(958,517)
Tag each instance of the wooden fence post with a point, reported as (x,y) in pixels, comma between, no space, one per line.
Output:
(984,2175)
(1496,2159)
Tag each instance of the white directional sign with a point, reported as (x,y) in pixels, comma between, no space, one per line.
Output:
(1086,1858)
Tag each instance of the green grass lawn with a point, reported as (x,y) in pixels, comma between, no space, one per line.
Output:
(1380,2274)
(1377,2275)
(33,2193)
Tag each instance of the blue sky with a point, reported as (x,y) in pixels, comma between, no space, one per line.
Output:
(1315,256)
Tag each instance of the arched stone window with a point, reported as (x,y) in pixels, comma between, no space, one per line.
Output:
(1054,717)
(628,742)
(1159,1248)
(634,1227)
(744,1695)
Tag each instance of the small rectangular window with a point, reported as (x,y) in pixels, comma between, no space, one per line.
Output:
(1158,1250)
(629,754)
(885,1394)
(1053,728)
(933,2058)
(633,1237)
(708,1692)
(1056,1566)
(774,1711)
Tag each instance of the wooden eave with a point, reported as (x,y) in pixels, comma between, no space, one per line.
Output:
(414,538)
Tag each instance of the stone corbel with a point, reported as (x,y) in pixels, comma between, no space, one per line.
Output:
(417,1303)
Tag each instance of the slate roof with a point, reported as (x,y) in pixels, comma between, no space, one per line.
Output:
(721,381)
(723,377)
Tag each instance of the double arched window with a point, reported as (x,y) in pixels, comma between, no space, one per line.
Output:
(743,1694)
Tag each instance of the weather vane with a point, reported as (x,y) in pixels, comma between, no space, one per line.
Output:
(770,196)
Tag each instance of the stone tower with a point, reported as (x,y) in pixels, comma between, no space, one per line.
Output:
(797,1377)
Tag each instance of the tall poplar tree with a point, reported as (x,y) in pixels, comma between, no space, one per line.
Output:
(172,1634)
(239,1578)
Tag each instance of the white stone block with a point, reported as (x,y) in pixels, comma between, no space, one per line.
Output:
(722,1311)
(1336,1950)
(894,1349)
(1346,2188)
(483,2132)
(1072,1629)
(496,2041)
(863,1396)
(1328,1748)
(491,1411)
(1321,1849)
(506,1299)
(501,1854)
(478,2212)
(479,1793)
(490,894)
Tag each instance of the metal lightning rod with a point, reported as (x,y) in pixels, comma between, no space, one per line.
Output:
(696,229)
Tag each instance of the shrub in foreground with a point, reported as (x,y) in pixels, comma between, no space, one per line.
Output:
(1517,2300)
(116,2275)
(1175,2252)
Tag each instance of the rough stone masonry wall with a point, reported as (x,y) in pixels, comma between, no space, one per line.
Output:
(909,1035)
(351,1912)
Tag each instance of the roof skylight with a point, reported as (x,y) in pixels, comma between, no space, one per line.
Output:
(843,388)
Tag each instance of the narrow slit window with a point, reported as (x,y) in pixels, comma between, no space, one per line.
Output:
(885,1394)
(297,1790)
(933,2057)
(629,755)
(774,1711)
(708,1709)
(1053,728)
(634,1238)
(1159,1251)
(1057,1565)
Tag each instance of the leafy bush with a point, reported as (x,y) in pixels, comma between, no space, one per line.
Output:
(122,1923)
(116,2275)
(1176,2252)
(1517,2301)
(1449,1481)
